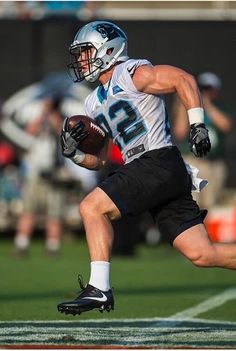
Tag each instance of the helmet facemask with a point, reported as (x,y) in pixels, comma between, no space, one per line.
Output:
(84,63)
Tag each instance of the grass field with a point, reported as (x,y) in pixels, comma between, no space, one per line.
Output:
(161,301)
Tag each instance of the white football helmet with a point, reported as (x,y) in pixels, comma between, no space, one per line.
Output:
(96,47)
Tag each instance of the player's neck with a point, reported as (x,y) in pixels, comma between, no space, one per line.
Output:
(106,76)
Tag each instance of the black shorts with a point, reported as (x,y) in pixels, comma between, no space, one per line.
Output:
(157,182)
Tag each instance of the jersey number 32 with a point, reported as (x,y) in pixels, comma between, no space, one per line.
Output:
(129,127)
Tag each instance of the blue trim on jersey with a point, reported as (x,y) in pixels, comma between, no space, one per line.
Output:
(116,89)
(167,124)
(101,93)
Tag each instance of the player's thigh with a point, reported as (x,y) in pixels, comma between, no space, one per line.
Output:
(97,201)
(177,216)
(148,182)
(194,242)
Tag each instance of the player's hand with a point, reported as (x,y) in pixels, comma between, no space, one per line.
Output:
(78,133)
(199,140)
(70,139)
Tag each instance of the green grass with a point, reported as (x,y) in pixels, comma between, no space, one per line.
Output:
(157,282)
(222,313)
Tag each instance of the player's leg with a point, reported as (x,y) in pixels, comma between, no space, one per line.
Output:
(97,210)
(131,189)
(194,243)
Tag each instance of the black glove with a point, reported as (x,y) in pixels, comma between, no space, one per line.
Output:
(199,140)
(71,139)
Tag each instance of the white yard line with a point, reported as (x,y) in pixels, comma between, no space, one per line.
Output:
(206,305)
(197,333)
(52,323)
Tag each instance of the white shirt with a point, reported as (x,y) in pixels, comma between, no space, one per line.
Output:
(137,122)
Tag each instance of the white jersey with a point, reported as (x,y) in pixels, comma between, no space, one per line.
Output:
(137,122)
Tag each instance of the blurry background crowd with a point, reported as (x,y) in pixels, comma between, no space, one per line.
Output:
(39,189)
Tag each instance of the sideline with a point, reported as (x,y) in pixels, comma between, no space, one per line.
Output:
(206,305)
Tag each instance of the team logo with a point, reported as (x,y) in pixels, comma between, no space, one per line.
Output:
(102,29)
(103,298)
(109,31)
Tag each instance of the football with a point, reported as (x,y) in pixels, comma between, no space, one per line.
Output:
(95,140)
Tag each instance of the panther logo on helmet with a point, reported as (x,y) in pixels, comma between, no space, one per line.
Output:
(109,31)
(102,30)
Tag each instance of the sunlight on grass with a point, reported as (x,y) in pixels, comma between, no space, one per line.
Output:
(156,282)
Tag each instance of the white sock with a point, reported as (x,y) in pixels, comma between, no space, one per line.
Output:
(100,274)
(52,244)
(21,241)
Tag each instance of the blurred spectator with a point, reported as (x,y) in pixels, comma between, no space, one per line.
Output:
(39,165)
(9,186)
(7,154)
(10,189)
(219,124)
(32,120)
(22,107)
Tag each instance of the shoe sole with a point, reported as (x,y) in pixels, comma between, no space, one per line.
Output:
(74,311)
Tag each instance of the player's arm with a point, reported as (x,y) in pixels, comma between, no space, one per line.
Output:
(166,79)
(93,162)
(70,143)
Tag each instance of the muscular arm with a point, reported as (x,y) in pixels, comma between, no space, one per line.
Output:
(168,79)
(165,79)
(180,127)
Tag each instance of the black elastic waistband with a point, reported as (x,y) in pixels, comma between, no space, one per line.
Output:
(160,151)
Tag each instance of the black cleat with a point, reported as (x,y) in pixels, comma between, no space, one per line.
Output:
(90,298)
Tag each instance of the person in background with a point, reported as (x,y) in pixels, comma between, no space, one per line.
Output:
(38,166)
(218,123)
(31,120)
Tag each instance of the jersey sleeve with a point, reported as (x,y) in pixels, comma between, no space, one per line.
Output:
(123,74)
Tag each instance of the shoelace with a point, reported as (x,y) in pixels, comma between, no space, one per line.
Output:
(81,282)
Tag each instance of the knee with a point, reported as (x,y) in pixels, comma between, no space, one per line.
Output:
(98,204)
(87,207)
(203,257)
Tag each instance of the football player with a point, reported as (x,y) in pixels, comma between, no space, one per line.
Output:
(129,104)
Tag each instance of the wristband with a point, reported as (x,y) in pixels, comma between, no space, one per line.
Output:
(196,115)
(78,157)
